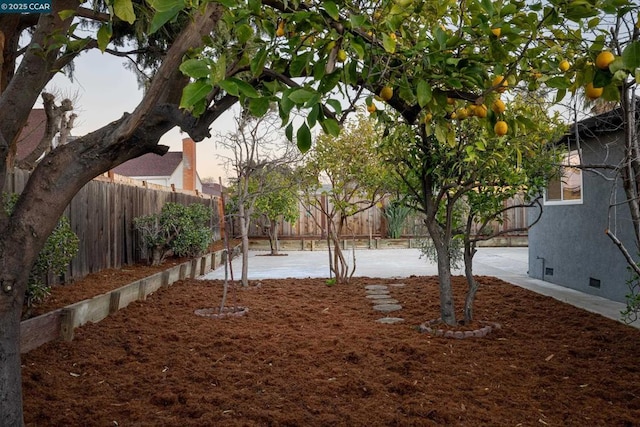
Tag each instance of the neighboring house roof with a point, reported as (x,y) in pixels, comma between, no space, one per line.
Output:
(604,123)
(32,133)
(212,188)
(151,165)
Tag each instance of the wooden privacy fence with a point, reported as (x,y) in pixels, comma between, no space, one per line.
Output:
(102,215)
(372,223)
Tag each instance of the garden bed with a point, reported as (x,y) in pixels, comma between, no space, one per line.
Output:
(101,294)
(309,354)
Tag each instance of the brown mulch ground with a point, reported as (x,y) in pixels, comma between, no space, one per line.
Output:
(308,354)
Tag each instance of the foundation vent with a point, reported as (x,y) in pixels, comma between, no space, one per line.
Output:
(594,283)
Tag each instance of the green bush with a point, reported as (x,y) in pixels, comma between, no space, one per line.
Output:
(181,230)
(58,251)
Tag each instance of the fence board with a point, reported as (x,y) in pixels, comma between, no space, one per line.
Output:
(102,215)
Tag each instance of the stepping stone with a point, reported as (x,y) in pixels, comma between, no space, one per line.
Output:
(378,292)
(378,296)
(375,287)
(397,285)
(390,320)
(385,308)
(385,301)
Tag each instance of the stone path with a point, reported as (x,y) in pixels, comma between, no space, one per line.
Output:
(382,302)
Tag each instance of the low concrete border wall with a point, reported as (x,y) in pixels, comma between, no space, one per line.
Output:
(61,323)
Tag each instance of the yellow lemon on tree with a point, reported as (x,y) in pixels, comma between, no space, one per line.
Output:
(428,117)
(386,93)
(280,30)
(604,59)
(564,66)
(342,55)
(462,113)
(451,101)
(593,92)
(498,106)
(501,128)
(371,108)
(480,111)
(496,32)
(501,83)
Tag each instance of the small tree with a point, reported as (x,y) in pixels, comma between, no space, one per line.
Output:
(280,204)
(177,229)
(345,175)
(258,150)
(466,173)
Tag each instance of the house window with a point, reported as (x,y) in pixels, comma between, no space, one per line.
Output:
(566,189)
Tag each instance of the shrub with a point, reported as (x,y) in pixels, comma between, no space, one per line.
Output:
(396,214)
(181,230)
(58,251)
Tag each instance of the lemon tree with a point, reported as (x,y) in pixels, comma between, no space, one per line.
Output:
(456,184)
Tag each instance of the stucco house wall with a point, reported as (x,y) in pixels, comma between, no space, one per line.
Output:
(568,246)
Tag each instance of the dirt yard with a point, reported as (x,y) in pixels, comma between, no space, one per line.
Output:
(308,354)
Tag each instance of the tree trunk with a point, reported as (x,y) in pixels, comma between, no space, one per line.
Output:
(244,228)
(10,370)
(273,236)
(472,285)
(442,246)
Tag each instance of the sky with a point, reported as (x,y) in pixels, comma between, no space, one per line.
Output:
(103,89)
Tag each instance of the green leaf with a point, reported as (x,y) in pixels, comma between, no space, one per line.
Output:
(359,48)
(388,43)
(259,106)
(558,82)
(602,78)
(245,88)
(194,92)
(303,138)
(195,68)
(299,64)
(331,126)
(611,93)
(301,95)
(104,36)
(313,115)
(335,104)
(441,133)
(228,3)
(244,33)
(288,132)
(424,93)
(331,8)
(254,6)
(357,21)
(66,14)
(631,56)
(230,87)
(124,10)
(487,5)
(166,10)
(258,61)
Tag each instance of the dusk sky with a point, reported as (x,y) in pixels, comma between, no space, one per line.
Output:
(103,90)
